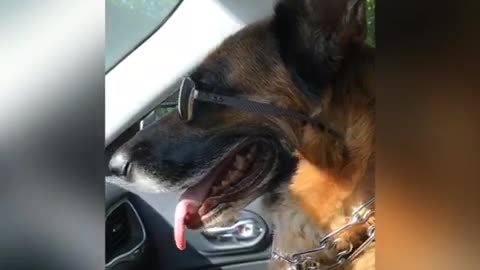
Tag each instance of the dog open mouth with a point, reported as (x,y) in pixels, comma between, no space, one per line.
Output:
(240,174)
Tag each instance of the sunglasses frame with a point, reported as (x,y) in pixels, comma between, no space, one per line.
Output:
(190,100)
(193,94)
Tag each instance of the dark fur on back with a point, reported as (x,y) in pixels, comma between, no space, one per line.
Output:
(310,41)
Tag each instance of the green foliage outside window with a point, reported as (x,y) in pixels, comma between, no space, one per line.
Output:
(371,22)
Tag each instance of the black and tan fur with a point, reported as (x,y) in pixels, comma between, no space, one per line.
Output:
(310,57)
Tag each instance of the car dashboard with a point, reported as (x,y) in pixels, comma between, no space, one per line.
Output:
(139,235)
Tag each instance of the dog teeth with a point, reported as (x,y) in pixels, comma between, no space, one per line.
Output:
(239,163)
(232,177)
(228,180)
(239,166)
(251,153)
(236,175)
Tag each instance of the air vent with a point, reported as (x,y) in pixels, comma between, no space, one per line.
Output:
(117,231)
(124,233)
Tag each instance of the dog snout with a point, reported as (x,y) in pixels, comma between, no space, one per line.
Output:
(119,163)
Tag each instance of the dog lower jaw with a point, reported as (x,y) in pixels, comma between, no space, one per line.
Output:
(226,209)
(281,168)
(197,209)
(224,214)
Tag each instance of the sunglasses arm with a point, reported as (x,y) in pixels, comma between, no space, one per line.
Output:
(261,108)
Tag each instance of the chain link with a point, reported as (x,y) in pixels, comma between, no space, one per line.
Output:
(303,260)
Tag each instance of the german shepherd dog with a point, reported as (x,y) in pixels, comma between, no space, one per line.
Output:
(309,58)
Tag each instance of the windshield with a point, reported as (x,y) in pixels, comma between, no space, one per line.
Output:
(129,23)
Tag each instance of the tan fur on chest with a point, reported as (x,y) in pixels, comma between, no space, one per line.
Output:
(296,232)
(319,194)
(316,204)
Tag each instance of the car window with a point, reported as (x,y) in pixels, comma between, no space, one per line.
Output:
(130,22)
(166,106)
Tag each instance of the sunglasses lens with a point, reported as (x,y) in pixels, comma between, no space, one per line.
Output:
(185,99)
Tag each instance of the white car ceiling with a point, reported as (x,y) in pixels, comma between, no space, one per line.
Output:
(148,74)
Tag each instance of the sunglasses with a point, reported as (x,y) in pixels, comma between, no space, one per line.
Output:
(189,95)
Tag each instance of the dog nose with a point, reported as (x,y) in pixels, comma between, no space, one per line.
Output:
(118,164)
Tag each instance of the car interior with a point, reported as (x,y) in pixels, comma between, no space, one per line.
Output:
(139,226)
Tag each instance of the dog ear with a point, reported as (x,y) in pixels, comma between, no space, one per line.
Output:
(315,35)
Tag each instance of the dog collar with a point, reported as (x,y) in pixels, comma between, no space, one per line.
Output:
(303,260)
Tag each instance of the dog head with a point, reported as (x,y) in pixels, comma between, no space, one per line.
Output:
(224,157)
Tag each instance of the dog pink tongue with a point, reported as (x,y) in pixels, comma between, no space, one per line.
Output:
(186,212)
(185,208)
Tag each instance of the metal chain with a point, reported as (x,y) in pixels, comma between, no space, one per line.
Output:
(301,260)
